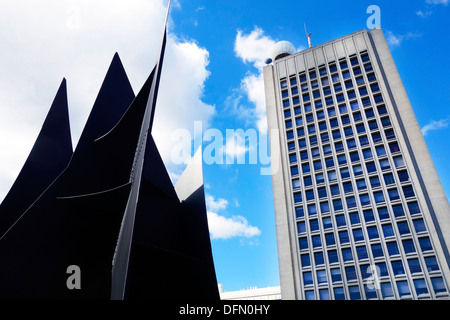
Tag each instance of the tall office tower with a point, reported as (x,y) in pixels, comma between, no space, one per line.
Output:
(360,210)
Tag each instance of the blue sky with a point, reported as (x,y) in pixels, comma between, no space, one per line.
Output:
(212,73)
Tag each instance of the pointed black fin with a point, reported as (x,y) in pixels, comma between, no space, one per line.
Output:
(49,156)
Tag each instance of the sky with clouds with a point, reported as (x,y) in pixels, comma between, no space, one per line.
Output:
(212,74)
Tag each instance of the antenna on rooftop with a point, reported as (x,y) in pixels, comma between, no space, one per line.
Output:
(308,36)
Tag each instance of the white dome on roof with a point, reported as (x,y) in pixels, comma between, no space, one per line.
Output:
(282,49)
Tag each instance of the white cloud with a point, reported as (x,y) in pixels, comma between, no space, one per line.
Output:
(435,125)
(444,2)
(222,227)
(422,14)
(396,40)
(42,43)
(215,205)
(255,48)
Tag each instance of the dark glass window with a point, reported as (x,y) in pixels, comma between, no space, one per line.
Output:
(318,259)
(363,141)
(309,195)
(329,162)
(377,250)
(384,164)
(383,213)
(308,279)
(438,285)
(408,191)
(299,212)
(320,178)
(398,210)
(380,150)
(347,254)
(350,272)
(324,207)
(368,215)
(392,248)
(403,288)
(316,241)
(296,100)
(303,243)
(365,199)
(382,109)
(302,143)
(388,231)
(351,143)
(374,182)
(285,103)
(333,256)
(403,175)
(413,207)
(369,113)
(327,223)
(419,225)
(397,267)
(373,233)
(297,197)
(312,210)
(339,146)
(347,187)
(393,194)
(408,246)
(358,236)
(357,171)
(336,134)
(322,192)
(361,253)
(357,116)
(340,219)
(351,202)
(329,240)
(342,159)
(370,166)
(314,225)
(432,264)
(294,171)
(304,155)
(354,293)
(367,154)
(361,185)
(393,146)
(301,227)
(420,286)
(302,77)
(414,265)
(306,261)
(425,244)
(307,181)
(403,228)
(385,122)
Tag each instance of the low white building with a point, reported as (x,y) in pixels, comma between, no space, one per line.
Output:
(254,293)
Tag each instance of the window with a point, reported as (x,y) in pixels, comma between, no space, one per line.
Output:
(295,184)
(361,253)
(312,75)
(373,233)
(324,294)
(311,129)
(351,202)
(343,237)
(296,100)
(403,176)
(419,225)
(304,155)
(354,105)
(432,264)
(303,244)
(351,143)
(340,219)
(359,236)
(393,146)
(318,258)
(354,293)
(413,207)
(285,103)
(357,171)
(378,98)
(408,191)
(321,276)
(332,176)
(438,285)
(302,143)
(393,194)
(307,278)
(354,218)
(377,250)
(283,84)
(333,256)
(312,210)
(398,210)
(408,246)
(297,110)
(384,164)
(374,182)
(363,141)
(324,207)
(339,147)
(315,152)
(382,110)
(367,154)
(342,159)
(357,116)
(301,227)
(378,196)
(309,295)
(317,165)
(302,77)
(354,156)
(397,267)
(347,187)
(392,248)
(294,92)
(336,134)
(294,171)
(361,184)
(366,102)
(334,123)
(347,254)
(385,122)
(297,197)
(331,112)
(380,151)
(326,150)
(414,266)
(339,294)
(308,107)
(309,195)
(345,173)
(370,166)
(336,275)
(386,290)
(389,179)
(368,215)
(398,161)
(383,213)
(388,231)
(334,189)
(403,228)
(420,286)
(376,137)
(425,244)
(316,241)
(291,146)
(306,168)
(365,199)
(322,192)
(403,288)
(306,261)
(329,240)
(324,137)
(299,212)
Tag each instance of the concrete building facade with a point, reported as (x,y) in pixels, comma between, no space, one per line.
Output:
(359,208)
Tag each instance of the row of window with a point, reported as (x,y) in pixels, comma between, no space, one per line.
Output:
(386,290)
